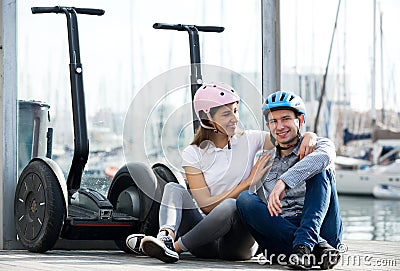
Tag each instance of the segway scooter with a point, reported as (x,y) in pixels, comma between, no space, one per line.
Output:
(47,207)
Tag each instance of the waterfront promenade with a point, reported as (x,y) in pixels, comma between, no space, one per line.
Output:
(361,255)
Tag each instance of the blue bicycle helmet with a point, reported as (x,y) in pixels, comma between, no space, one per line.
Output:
(284,100)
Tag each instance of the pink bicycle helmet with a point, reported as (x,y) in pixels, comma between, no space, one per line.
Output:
(213,95)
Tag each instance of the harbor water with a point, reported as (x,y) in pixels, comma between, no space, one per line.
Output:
(367,218)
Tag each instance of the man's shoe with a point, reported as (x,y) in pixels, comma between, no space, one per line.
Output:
(133,243)
(326,255)
(301,258)
(161,248)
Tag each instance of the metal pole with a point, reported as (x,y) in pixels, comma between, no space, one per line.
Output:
(271,60)
(8,93)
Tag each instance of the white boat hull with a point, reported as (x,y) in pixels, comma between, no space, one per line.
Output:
(364,181)
(386,192)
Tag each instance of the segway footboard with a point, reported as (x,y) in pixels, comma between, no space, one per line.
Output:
(92,217)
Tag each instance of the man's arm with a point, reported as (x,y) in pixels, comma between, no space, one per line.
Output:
(308,167)
(312,164)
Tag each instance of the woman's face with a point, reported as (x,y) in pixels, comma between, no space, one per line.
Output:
(226,118)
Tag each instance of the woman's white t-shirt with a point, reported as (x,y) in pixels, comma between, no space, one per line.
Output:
(225,168)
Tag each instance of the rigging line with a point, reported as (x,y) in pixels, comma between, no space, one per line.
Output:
(382,73)
(326,72)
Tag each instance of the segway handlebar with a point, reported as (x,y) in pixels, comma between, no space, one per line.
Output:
(184,27)
(60,9)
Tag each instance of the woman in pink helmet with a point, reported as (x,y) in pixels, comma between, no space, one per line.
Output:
(218,165)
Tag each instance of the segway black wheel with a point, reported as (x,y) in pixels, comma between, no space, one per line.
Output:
(122,181)
(150,225)
(39,207)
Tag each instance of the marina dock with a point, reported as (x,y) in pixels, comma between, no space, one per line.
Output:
(360,255)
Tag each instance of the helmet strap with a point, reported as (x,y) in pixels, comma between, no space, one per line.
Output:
(229,138)
(210,126)
(215,130)
(273,140)
(279,147)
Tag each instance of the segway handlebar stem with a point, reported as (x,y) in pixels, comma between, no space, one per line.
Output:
(81,140)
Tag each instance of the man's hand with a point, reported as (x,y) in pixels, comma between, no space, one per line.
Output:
(274,199)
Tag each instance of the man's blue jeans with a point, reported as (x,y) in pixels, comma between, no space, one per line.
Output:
(320,219)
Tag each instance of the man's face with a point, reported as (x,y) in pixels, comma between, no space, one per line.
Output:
(284,125)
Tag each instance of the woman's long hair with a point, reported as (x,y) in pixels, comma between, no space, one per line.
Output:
(203,134)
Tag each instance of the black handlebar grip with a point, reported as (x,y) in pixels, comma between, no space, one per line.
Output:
(182,27)
(178,27)
(89,11)
(36,10)
(59,9)
(217,29)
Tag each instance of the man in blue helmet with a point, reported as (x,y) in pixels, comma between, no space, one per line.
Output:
(293,213)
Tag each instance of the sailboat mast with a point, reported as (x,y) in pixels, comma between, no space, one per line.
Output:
(323,89)
(373,108)
(382,81)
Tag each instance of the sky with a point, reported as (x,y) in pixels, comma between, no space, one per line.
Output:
(121,51)
(307,28)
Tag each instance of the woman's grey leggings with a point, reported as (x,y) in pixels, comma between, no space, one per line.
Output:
(220,234)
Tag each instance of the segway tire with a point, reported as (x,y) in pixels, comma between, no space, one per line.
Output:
(121,181)
(38,207)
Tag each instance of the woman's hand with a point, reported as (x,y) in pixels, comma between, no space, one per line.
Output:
(259,169)
(308,144)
